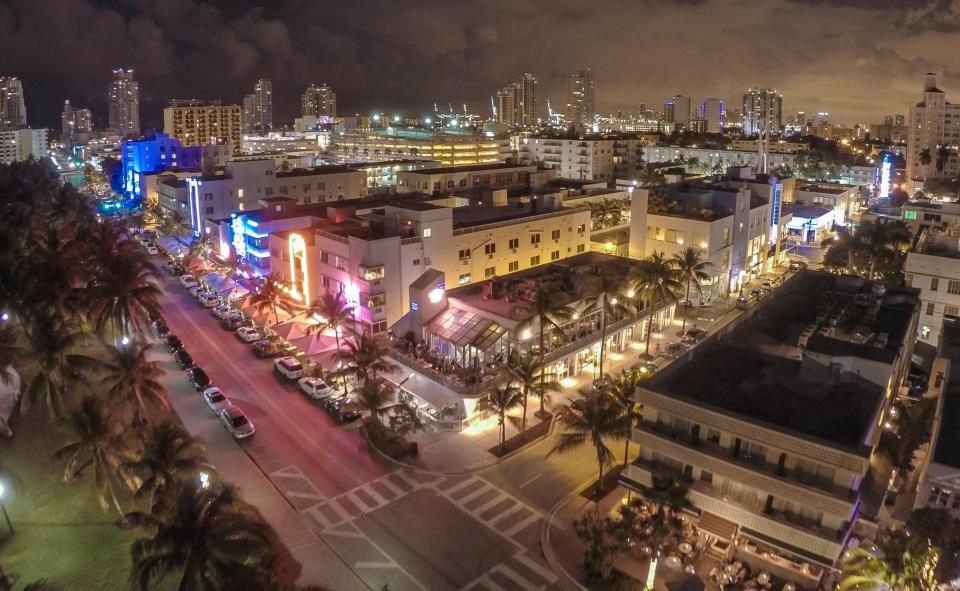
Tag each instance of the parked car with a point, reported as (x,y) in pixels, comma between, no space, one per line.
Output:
(188,281)
(197,291)
(796,265)
(694,335)
(159,328)
(264,349)
(173,343)
(249,334)
(341,409)
(757,293)
(199,378)
(236,423)
(673,350)
(183,359)
(235,321)
(209,300)
(645,368)
(221,311)
(746,301)
(315,388)
(215,399)
(174,268)
(288,367)
(152,250)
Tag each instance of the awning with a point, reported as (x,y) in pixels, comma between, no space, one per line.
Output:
(291,329)
(794,551)
(716,525)
(171,245)
(462,327)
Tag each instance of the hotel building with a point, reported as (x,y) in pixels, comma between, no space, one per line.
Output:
(449,149)
(932,123)
(593,158)
(195,124)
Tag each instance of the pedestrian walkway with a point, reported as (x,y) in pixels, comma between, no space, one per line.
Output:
(490,505)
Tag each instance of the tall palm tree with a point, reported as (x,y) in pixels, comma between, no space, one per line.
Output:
(132,379)
(530,377)
(605,292)
(99,442)
(208,539)
(550,312)
(365,357)
(943,155)
(270,297)
(622,389)
(174,224)
(332,311)
(125,293)
(501,400)
(170,456)
(592,418)
(373,396)
(925,159)
(692,270)
(55,346)
(658,282)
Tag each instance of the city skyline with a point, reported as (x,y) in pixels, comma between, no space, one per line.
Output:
(426,55)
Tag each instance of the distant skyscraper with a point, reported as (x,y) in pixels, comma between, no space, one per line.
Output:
(263,106)
(75,125)
(517,102)
(247,117)
(124,103)
(932,129)
(13,111)
(580,97)
(318,101)
(712,112)
(194,123)
(677,110)
(759,105)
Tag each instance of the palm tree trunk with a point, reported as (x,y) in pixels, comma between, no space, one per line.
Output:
(683,308)
(523,419)
(653,309)
(336,334)
(599,486)
(543,376)
(603,333)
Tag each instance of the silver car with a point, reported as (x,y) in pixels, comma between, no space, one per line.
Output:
(236,423)
(215,399)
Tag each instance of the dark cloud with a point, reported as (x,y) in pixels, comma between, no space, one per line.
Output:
(854,58)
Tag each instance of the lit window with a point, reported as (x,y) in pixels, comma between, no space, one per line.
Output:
(464,279)
(426,232)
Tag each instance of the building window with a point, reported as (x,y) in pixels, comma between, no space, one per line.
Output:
(934,283)
(514,243)
(534,261)
(706,476)
(380,326)
(427,232)
(953,287)
(416,262)
(464,279)
(939,496)
(930,306)
(535,239)
(513,266)
(489,272)
(554,255)
(464,254)
(581,248)
(490,248)
(555,234)
(581,228)
(951,311)
(208,210)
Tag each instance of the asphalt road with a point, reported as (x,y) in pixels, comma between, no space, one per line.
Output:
(394,528)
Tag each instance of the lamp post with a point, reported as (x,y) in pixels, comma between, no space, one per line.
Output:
(4,509)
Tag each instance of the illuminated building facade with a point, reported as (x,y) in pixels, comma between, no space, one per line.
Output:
(677,111)
(123,98)
(591,157)
(762,111)
(318,101)
(13,110)
(75,125)
(262,120)
(581,97)
(713,112)
(933,125)
(447,148)
(152,154)
(21,144)
(195,124)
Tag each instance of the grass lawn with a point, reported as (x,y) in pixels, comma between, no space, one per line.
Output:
(61,533)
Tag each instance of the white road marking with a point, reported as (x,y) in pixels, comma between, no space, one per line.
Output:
(375,564)
(523,524)
(516,577)
(533,565)
(531,480)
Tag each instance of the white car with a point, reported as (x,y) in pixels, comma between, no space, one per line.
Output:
(152,250)
(189,281)
(221,311)
(288,367)
(236,423)
(209,300)
(215,399)
(315,388)
(249,334)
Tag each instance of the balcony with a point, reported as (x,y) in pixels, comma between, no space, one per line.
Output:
(371,273)
(708,452)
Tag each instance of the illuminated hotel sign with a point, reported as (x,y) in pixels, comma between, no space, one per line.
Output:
(298,268)
(885,177)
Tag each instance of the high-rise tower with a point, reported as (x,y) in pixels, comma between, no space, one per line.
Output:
(123,98)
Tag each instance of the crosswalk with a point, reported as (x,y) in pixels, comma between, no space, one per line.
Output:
(490,505)
(519,573)
(367,497)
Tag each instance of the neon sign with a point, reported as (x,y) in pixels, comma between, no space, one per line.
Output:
(239,243)
(885,177)
(298,258)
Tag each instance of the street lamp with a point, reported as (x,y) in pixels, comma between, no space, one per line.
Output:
(125,340)
(4,509)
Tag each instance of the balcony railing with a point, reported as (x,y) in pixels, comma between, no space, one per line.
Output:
(711,448)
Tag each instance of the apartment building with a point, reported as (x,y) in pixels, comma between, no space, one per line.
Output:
(773,423)
(448,148)
(194,123)
(722,158)
(375,252)
(921,213)
(844,200)
(932,123)
(447,179)
(243,182)
(384,175)
(933,267)
(594,158)
(730,224)
(21,144)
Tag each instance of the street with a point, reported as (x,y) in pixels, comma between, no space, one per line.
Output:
(386,525)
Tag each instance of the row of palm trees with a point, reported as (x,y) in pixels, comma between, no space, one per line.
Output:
(76,297)
(872,251)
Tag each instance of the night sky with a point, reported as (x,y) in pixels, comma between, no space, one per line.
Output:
(856,59)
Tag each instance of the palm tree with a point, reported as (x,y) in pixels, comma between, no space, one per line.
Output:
(529,374)
(501,400)
(365,357)
(895,562)
(54,344)
(693,270)
(131,378)
(174,224)
(925,159)
(604,292)
(125,293)
(591,418)
(373,396)
(270,297)
(170,456)
(208,539)
(658,282)
(98,442)
(12,355)
(622,389)
(332,312)
(550,312)
(943,154)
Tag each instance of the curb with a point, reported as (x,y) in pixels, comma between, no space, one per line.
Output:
(569,581)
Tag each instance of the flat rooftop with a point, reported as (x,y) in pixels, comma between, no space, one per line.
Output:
(827,189)
(759,371)
(936,243)
(470,216)
(805,211)
(948,442)
(471,168)
(326,169)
